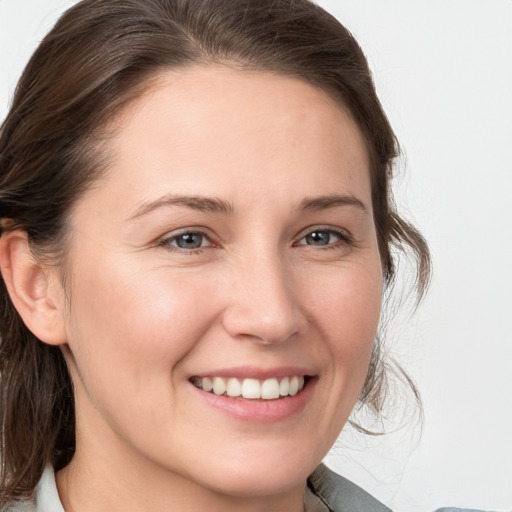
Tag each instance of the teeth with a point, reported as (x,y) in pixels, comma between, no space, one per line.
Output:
(219,386)
(269,389)
(284,387)
(251,388)
(294,386)
(207,384)
(234,388)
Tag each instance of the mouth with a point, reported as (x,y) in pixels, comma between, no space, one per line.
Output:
(252,389)
(255,395)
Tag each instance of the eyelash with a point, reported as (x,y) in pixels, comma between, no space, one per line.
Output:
(344,239)
(166,242)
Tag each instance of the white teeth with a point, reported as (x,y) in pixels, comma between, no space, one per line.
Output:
(234,388)
(219,386)
(207,384)
(284,387)
(251,388)
(269,389)
(294,386)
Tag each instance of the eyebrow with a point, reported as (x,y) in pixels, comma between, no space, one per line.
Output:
(199,203)
(216,205)
(332,201)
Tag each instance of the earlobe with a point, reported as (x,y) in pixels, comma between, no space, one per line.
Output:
(31,289)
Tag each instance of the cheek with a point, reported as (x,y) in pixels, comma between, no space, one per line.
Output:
(362,299)
(348,317)
(128,333)
(359,311)
(347,301)
(133,325)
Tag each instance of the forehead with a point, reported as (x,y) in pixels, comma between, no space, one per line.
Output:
(204,128)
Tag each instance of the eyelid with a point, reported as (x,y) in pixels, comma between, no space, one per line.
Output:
(322,227)
(164,241)
(345,237)
(342,233)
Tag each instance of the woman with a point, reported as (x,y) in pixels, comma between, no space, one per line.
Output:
(197,232)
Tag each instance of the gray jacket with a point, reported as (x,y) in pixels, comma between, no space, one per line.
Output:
(341,495)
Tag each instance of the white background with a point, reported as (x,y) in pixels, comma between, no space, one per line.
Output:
(443,70)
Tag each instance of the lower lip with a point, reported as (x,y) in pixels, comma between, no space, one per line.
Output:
(260,411)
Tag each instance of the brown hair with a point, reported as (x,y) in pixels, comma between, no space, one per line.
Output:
(99,56)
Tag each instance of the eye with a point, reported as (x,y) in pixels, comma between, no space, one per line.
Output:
(323,238)
(189,240)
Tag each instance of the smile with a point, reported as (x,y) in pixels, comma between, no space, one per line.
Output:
(253,389)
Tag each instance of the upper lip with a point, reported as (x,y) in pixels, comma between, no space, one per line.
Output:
(251,372)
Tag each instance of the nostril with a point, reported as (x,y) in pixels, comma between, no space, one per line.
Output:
(260,326)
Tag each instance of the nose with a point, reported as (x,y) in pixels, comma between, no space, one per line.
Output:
(263,305)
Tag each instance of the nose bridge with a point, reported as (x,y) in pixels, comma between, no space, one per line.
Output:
(264,306)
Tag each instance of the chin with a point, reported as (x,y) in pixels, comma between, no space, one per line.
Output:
(259,476)
(248,484)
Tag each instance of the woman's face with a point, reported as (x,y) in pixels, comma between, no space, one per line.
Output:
(231,243)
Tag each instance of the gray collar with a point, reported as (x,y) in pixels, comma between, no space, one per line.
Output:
(341,495)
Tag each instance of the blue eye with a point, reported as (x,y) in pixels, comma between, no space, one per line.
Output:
(321,238)
(189,240)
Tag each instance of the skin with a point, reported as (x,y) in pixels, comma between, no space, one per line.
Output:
(144,315)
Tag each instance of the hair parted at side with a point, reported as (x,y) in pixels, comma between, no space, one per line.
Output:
(99,56)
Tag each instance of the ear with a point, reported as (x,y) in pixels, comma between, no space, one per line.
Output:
(34,290)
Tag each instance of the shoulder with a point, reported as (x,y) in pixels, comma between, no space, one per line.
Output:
(19,506)
(453,509)
(46,496)
(341,495)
